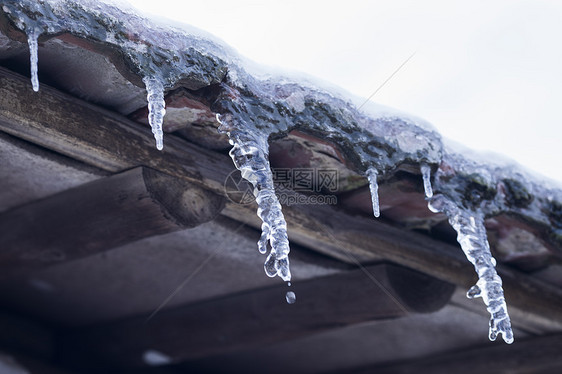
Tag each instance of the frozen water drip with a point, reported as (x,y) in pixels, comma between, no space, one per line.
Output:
(33,58)
(426,174)
(156,108)
(374,188)
(471,235)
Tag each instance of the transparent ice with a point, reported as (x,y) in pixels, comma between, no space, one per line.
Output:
(156,108)
(374,188)
(32,36)
(471,235)
(426,174)
(250,155)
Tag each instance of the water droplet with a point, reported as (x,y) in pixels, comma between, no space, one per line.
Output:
(291,297)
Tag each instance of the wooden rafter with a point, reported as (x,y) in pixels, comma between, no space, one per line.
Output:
(99,216)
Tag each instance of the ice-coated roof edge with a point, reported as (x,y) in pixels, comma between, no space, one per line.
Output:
(373,136)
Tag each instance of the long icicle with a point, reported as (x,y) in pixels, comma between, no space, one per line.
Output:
(156,108)
(426,174)
(374,187)
(250,155)
(33,58)
(471,235)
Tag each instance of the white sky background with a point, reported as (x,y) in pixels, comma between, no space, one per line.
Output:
(487,74)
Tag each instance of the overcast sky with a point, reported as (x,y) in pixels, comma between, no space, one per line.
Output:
(485,73)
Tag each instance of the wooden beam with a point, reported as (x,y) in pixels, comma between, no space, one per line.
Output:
(258,317)
(533,355)
(111,142)
(101,215)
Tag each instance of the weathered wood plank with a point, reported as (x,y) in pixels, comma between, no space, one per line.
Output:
(258,317)
(534,355)
(101,215)
(113,143)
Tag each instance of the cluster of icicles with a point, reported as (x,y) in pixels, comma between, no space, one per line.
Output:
(154,89)
(471,235)
(250,155)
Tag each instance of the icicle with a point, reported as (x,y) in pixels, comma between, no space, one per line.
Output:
(250,155)
(374,187)
(472,238)
(156,108)
(426,174)
(33,58)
